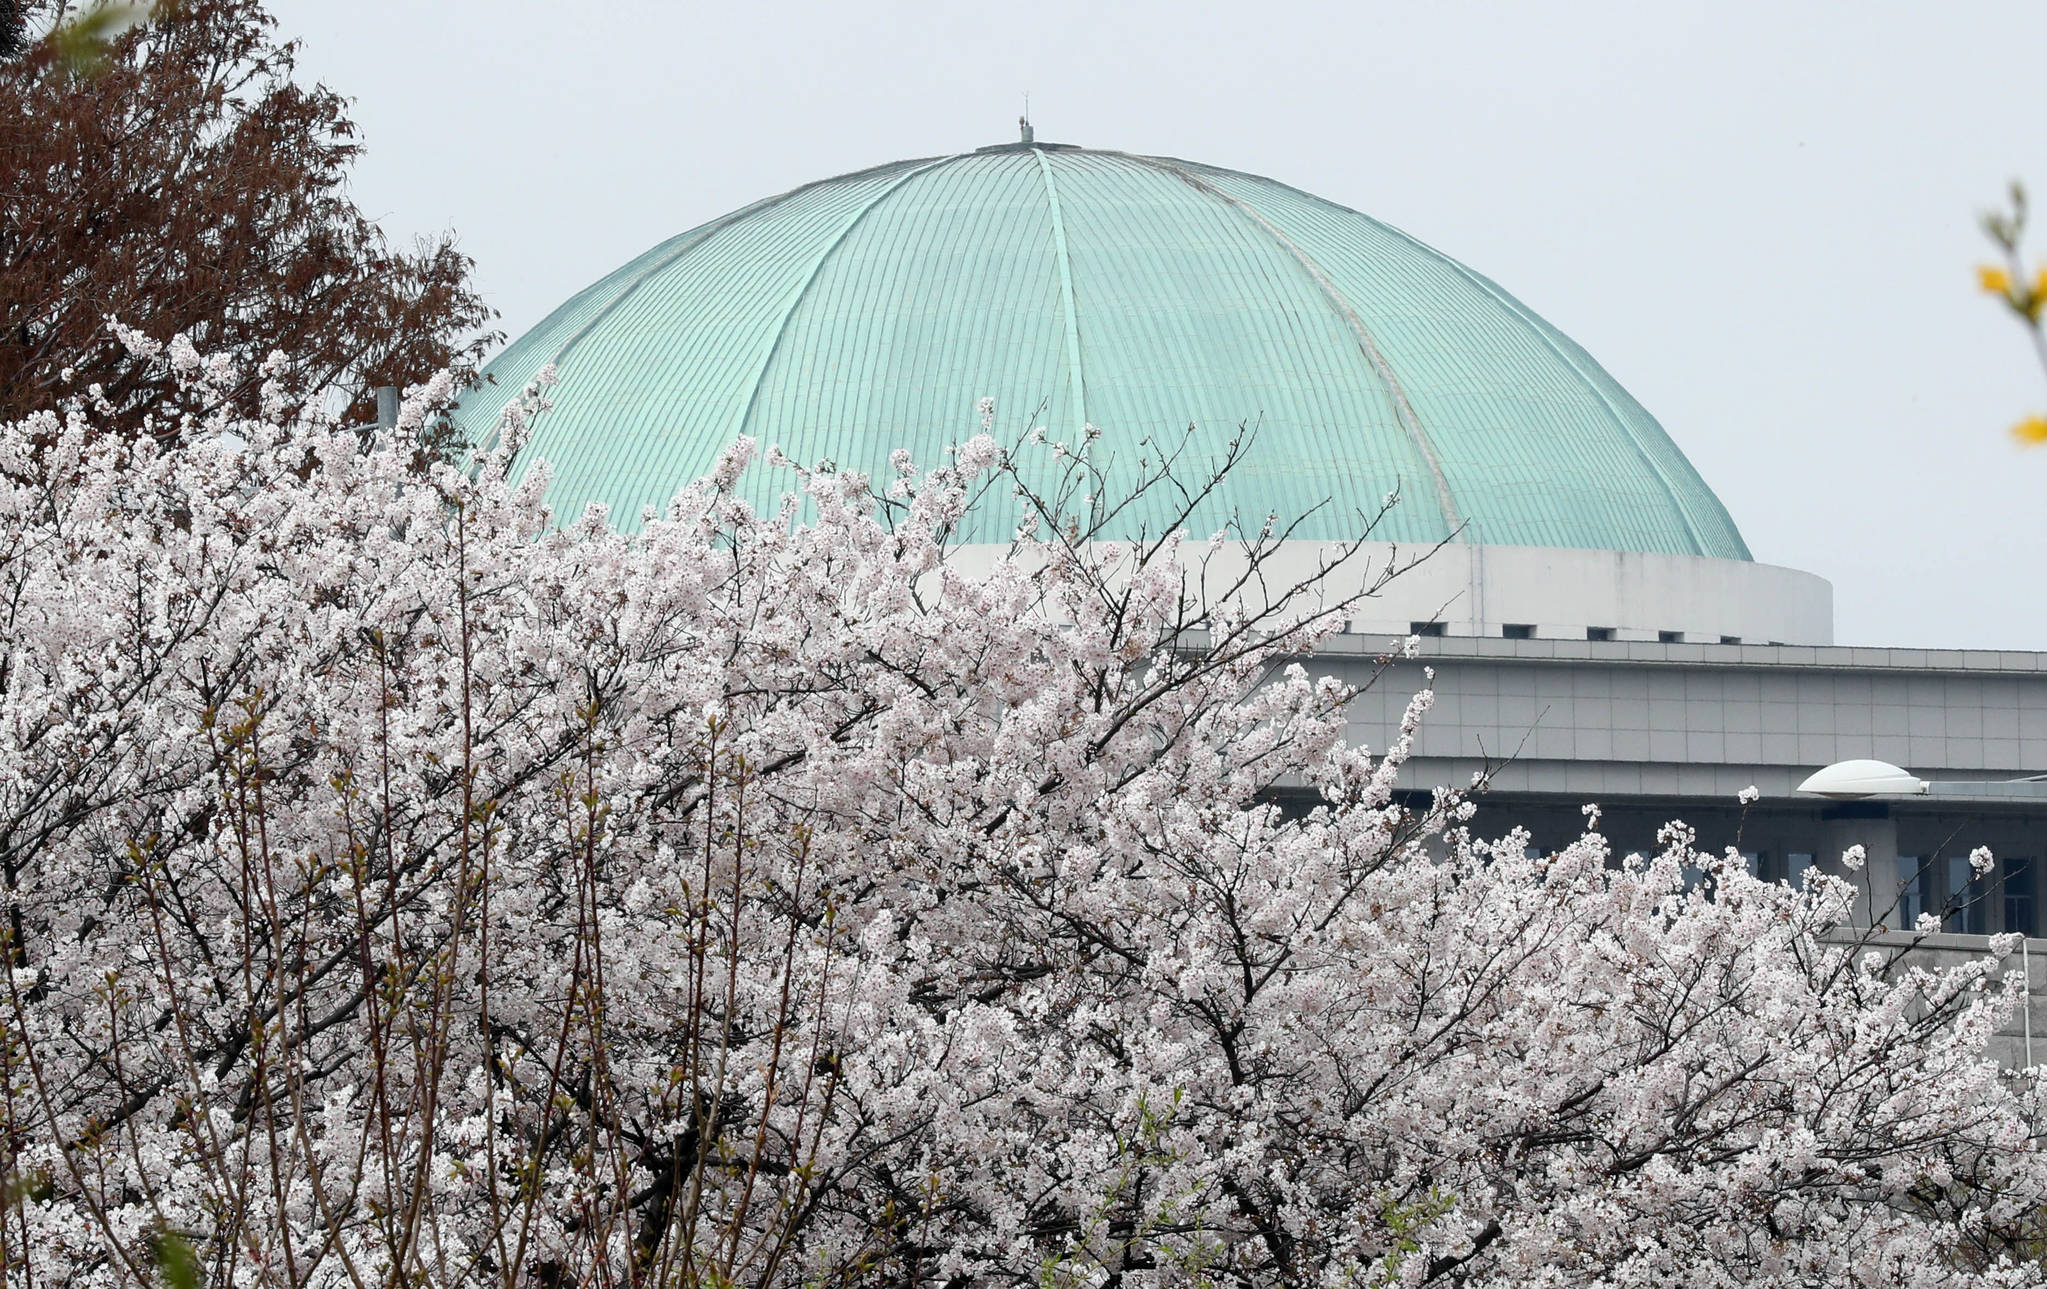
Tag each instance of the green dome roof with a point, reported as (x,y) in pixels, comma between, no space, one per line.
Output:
(1139,294)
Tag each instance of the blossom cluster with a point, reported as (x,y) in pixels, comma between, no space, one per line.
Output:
(405,886)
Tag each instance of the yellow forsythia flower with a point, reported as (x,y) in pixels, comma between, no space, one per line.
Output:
(2032,431)
(1993,279)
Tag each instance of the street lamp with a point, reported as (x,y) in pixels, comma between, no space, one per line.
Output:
(1857,780)
(1854,780)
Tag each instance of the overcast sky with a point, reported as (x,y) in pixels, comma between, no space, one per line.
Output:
(1759,217)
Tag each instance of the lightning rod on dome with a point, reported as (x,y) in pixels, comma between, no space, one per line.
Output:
(1023,123)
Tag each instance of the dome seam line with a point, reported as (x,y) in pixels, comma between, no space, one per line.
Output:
(694,238)
(703,234)
(1522,314)
(690,241)
(1403,411)
(824,256)
(1076,382)
(1529,319)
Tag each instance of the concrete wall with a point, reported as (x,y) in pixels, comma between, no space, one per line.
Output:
(1479,590)
(1599,720)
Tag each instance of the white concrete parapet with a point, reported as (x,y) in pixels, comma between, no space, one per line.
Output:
(1560,592)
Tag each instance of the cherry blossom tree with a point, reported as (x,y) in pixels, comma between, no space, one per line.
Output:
(406,888)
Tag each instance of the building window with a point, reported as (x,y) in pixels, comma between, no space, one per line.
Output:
(2019,910)
(1913,879)
(1730,639)
(1425,628)
(1518,631)
(1967,910)
(1599,633)
(1670,637)
(1766,866)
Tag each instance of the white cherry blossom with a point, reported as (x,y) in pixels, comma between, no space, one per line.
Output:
(402,886)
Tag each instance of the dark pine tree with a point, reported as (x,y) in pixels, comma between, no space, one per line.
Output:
(13,28)
(185,182)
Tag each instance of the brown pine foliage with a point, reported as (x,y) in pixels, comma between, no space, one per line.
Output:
(186,183)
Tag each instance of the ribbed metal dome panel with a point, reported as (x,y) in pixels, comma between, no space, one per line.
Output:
(1140,294)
